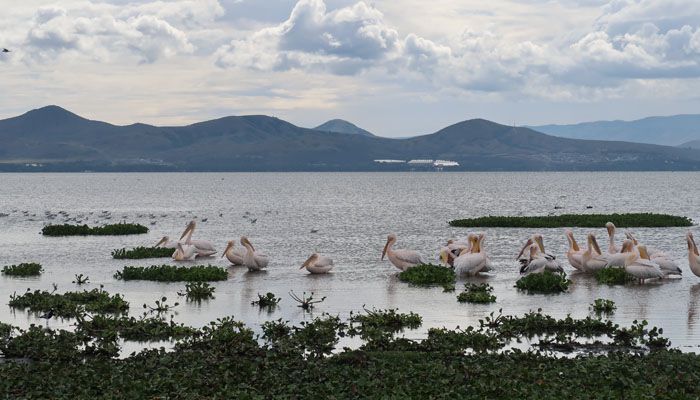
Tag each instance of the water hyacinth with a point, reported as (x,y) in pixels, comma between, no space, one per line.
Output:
(198,291)
(638,220)
(428,275)
(474,293)
(119,229)
(613,276)
(23,269)
(545,282)
(603,306)
(70,304)
(171,273)
(268,300)
(141,252)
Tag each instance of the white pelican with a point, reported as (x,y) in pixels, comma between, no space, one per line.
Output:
(612,248)
(204,247)
(575,254)
(474,260)
(650,251)
(452,249)
(402,259)
(667,265)
(639,265)
(693,254)
(166,243)
(184,252)
(317,264)
(234,254)
(618,259)
(592,257)
(537,260)
(253,259)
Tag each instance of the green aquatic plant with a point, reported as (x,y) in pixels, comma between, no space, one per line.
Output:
(70,304)
(141,252)
(171,273)
(474,293)
(198,291)
(23,269)
(545,282)
(613,276)
(638,220)
(84,230)
(141,329)
(306,302)
(161,306)
(382,321)
(81,279)
(428,275)
(268,300)
(603,306)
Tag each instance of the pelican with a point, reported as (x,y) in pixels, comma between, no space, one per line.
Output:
(184,252)
(667,265)
(234,254)
(650,251)
(537,257)
(612,248)
(618,259)
(166,243)
(639,265)
(317,264)
(253,259)
(575,254)
(452,249)
(204,248)
(474,260)
(592,259)
(401,259)
(693,254)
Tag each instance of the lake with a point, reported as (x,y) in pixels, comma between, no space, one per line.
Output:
(353,213)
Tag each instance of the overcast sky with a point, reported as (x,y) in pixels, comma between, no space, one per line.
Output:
(396,68)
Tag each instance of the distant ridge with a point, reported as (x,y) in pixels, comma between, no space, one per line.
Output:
(694,144)
(54,139)
(342,126)
(667,131)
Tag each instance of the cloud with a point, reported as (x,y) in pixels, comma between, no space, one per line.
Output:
(105,32)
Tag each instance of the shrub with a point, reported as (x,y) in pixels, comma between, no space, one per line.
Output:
(427,275)
(171,273)
(84,230)
(24,269)
(545,282)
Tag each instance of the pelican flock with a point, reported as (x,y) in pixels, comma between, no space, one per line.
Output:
(467,256)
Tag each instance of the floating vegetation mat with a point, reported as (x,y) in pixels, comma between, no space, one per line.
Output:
(641,220)
(268,301)
(225,359)
(428,275)
(84,230)
(141,252)
(198,291)
(474,293)
(603,306)
(545,282)
(613,276)
(172,273)
(24,269)
(69,304)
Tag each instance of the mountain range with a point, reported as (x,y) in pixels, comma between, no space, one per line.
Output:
(342,126)
(670,131)
(54,139)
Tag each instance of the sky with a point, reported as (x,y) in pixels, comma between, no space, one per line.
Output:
(395,68)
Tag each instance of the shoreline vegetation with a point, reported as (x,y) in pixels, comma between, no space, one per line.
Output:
(227,359)
(633,220)
(172,273)
(119,229)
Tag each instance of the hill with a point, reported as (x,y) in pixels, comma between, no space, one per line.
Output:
(342,126)
(54,139)
(668,131)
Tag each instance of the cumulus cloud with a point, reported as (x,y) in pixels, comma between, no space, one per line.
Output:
(631,39)
(149,31)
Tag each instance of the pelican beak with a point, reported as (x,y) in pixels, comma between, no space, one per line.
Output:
(189,229)
(443,257)
(527,244)
(386,246)
(308,261)
(161,241)
(228,247)
(540,243)
(594,243)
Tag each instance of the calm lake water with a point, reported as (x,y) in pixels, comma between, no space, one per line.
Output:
(353,213)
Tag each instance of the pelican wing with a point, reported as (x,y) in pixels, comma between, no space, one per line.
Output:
(409,256)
